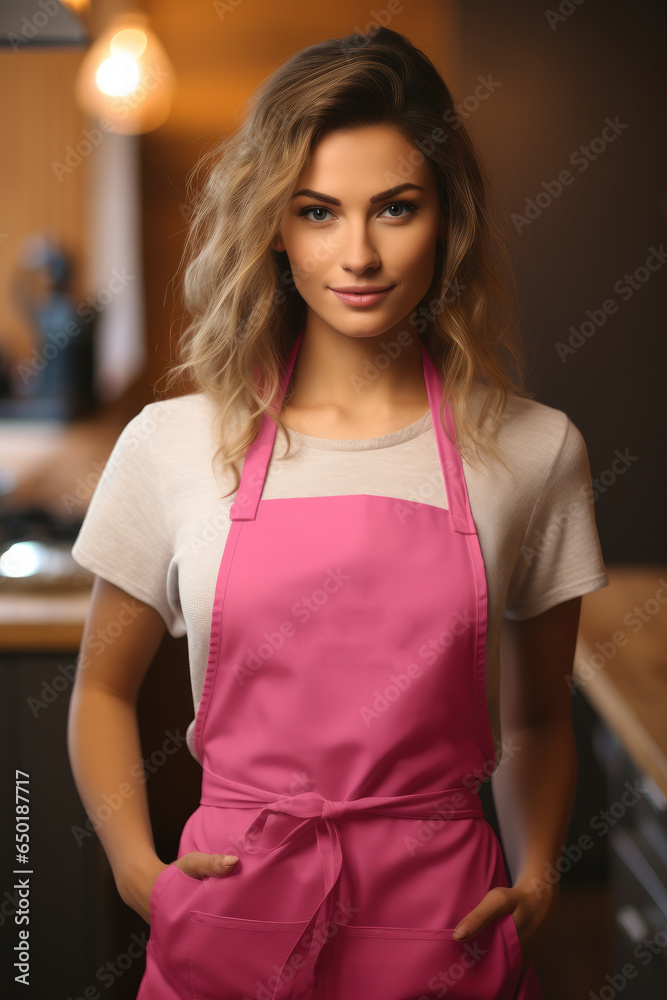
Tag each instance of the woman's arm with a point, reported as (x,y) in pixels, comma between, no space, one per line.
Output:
(105,749)
(534,783)
(534,786)
(103,735)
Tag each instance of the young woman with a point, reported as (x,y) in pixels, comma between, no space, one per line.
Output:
(384,607)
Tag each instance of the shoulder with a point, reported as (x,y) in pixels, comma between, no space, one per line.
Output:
(179,424)
(178,415)
(534,437)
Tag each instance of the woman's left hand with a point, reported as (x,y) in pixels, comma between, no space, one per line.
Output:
(532,909)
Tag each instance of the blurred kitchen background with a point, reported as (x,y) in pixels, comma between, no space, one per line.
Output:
(106,108)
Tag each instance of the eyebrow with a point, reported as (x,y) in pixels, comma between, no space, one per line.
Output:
(376,197)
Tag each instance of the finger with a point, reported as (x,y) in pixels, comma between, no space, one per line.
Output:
(200,865)
(223,864)
(471,924)
(475,920)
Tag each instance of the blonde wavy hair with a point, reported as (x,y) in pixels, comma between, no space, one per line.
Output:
(246,312)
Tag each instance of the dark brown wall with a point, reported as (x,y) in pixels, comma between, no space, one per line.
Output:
(557,87)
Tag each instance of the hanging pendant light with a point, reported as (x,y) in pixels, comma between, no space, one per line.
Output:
(127,78)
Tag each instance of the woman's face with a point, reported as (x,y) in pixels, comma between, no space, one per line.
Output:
(342,228)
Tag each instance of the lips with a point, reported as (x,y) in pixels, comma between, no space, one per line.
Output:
(366,297)
(362,289)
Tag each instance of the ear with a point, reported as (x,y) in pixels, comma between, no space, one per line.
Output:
(277,243)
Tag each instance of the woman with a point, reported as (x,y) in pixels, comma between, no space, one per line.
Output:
(344,600)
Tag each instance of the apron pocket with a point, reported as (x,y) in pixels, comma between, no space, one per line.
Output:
(231,957)
(161,882)
(156,902)
(156,891)
(514,941)
(413,963)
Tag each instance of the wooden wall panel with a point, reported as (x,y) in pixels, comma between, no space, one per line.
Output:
(40,120)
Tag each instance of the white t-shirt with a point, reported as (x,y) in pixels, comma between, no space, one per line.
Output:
(156,526)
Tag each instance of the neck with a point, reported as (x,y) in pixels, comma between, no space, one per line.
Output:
(350,376)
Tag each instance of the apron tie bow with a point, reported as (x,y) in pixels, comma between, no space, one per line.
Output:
(318,813)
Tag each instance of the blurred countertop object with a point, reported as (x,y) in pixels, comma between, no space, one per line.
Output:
(48,474)
(621,663)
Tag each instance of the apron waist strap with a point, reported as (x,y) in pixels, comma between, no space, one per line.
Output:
(318,815)
(459,802)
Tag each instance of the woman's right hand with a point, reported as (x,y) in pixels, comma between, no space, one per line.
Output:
(137,891)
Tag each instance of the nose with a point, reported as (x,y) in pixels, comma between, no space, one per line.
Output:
(359,251)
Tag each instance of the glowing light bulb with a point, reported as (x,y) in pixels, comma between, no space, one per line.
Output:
(20,559)
(126,78)
(129,41)
(118,75)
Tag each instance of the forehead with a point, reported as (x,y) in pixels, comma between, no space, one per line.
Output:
(373,157)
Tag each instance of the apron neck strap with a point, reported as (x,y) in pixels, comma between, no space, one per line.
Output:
(256,461)
(258,455)
(448,452)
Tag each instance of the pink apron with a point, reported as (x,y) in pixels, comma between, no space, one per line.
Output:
(343,731)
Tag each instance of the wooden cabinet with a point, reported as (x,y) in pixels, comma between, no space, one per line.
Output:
(85,942)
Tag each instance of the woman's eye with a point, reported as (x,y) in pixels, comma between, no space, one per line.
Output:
(402,204)
(309,210)
(313,208)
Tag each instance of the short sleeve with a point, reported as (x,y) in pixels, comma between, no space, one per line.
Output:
(560,556)
(125,537)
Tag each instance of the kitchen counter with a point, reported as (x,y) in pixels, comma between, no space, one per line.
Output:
(621,662)
(620,659)
(47,621)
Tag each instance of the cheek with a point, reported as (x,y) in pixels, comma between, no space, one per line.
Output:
(307,254)
(414,258)
(311,261)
